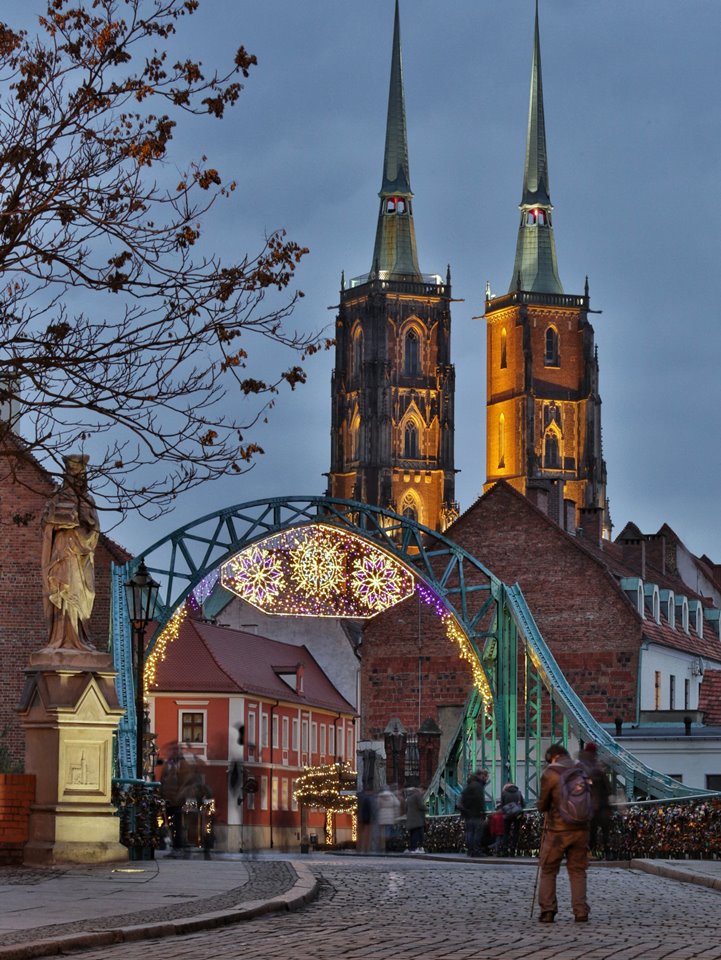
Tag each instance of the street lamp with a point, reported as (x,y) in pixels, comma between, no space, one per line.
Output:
(141,594)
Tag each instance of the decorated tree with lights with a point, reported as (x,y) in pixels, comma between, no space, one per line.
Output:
(122,331)
(331,788)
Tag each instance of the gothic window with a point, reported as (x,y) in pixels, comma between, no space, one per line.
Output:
(395,205)
(537,217)
(501,442)
(412,354)
(357,353)
(409,508)
(551,453)
(355,439)
(410,442)
(504,359)
(409,512)
(550,358)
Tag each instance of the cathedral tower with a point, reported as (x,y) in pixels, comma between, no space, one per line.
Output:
(393,382)
(543,405)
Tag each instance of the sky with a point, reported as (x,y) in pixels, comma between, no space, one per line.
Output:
(633,122)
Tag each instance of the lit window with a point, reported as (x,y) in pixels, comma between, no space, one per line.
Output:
(192,727)
(412,354)
(274,794)
(410,442)
(550,358)
(284,794)
(357,353)
(504,361)
(501,442)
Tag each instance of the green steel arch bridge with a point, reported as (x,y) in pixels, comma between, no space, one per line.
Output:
(514,672)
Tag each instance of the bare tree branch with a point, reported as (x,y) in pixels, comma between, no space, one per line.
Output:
(120,328)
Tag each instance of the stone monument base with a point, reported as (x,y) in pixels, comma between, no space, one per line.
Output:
(69,709)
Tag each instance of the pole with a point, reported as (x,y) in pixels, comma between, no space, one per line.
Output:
(139,702)
(538,868)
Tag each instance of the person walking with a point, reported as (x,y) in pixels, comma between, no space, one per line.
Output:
(601,791)
(388,808)
(472,805)
(561,837)
(415,819)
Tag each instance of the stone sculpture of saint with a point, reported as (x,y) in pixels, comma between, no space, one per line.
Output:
(70,534)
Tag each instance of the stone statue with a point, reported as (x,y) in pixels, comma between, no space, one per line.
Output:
(70,534)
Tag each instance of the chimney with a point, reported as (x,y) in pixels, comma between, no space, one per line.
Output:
(656,551)
(634,556)
(591,520)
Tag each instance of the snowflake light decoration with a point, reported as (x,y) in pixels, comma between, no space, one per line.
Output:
(377,582)
(317,566)
(255,575)
(318,570)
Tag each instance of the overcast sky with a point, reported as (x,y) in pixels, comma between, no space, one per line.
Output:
(634,139)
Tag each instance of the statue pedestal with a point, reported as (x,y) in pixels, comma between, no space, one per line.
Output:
(69,709)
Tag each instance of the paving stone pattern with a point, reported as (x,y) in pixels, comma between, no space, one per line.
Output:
(381,909)
(266,879)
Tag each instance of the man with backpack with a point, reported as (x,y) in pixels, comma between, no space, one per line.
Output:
(567,803)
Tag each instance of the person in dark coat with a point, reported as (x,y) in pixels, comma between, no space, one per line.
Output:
(415,818)
(512,804)
(560,839)
(601,791)
(473,809)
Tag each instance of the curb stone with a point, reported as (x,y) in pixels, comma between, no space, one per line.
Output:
(675,873)
(303,891)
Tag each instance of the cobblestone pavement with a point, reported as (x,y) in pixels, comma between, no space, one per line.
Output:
(383,909)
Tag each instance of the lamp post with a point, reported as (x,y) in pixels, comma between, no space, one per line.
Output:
(141,594)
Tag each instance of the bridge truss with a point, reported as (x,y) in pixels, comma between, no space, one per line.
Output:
(519,696)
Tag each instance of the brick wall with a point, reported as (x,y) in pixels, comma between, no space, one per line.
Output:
(590,627)
(17,792)
(23,627)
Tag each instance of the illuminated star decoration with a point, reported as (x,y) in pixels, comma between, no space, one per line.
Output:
(256,576)
(318,570)
(376,582)
(318,566)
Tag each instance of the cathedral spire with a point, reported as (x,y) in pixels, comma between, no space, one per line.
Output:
(536,248)
(395,246)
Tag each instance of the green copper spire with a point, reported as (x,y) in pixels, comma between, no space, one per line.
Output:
(535,269)
(395,246)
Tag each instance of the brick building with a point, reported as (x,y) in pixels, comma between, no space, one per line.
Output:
(24,489)
(215,682)
(635,641)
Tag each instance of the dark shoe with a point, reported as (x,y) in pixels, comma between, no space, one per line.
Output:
(546,917)
(582,918)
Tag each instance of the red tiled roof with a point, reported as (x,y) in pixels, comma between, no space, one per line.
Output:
(210,659)
(706,646)
(709,697)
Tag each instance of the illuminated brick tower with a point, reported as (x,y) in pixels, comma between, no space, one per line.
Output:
(543,405)
(393,383)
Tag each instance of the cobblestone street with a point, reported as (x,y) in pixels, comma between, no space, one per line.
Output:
(379,909)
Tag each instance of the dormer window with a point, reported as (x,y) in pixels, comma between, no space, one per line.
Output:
(653,601)
(682,612)
(695,611)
